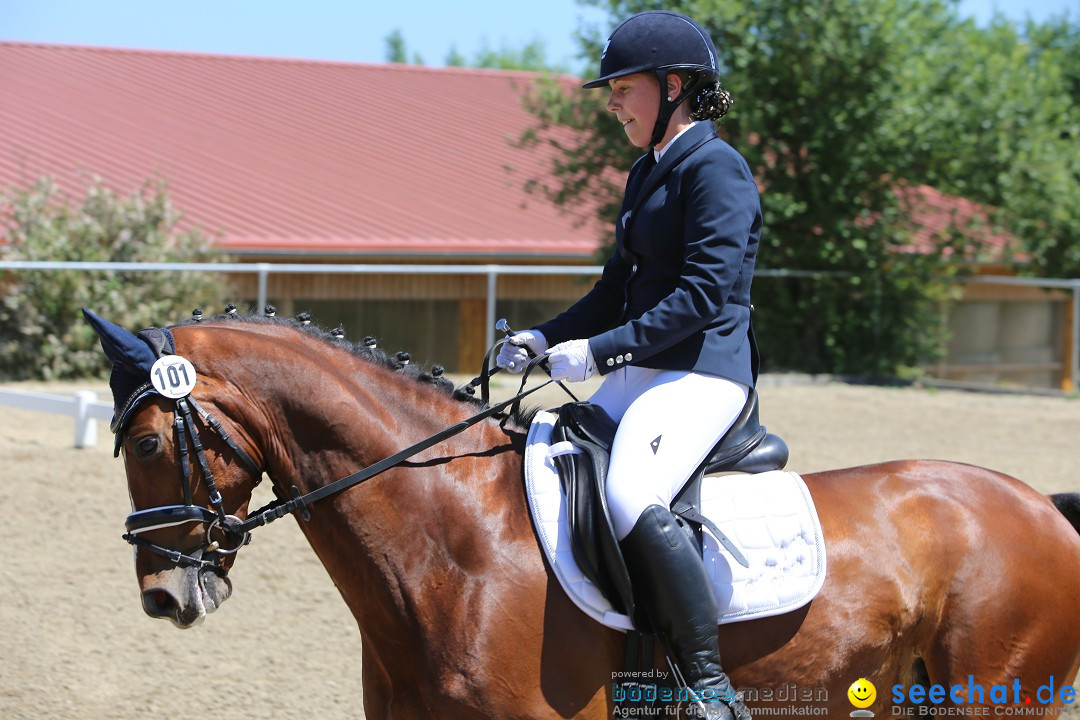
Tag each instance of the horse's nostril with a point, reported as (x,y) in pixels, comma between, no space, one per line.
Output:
(159,604)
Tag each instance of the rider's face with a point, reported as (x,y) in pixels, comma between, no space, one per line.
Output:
(635,100)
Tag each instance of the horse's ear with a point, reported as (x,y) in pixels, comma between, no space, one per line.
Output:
(121,346)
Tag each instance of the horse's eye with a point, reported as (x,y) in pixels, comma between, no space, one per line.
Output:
(147,446)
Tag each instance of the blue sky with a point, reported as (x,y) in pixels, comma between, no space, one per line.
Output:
(350,30)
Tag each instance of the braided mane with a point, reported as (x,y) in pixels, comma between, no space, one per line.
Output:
(366,349)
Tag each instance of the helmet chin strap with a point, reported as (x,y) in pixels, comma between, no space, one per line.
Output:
(668,105)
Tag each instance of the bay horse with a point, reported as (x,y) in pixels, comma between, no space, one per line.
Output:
(939,574)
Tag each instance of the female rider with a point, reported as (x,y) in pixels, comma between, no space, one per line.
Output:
(668,323)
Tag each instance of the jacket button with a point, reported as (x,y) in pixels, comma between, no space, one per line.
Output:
(629,357)
(618,358)
(610,362)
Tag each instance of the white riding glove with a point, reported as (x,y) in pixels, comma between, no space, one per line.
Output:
(571,360)
(513,356)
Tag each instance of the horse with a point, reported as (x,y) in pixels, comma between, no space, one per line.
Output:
(941,576)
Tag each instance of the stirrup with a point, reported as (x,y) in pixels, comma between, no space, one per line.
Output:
(719,709)
(713,710)
(701,709)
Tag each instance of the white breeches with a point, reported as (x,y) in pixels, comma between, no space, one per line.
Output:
(668,422)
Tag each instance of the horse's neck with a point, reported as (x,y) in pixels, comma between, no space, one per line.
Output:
(323,428)
(423,519)
(403,548)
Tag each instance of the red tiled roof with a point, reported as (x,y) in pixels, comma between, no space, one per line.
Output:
(935,216)
(289,155)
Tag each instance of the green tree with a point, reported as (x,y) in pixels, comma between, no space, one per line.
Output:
(455,58)
(398,52)
(531,57)
(1040,187)
(42,332)
(991,115)
(815,85)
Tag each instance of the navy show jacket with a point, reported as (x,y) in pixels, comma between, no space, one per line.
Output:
(675,294)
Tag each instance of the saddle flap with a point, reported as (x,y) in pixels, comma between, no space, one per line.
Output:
(583,476)
(589,422)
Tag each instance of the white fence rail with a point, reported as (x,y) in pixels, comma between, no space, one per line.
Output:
(83,407)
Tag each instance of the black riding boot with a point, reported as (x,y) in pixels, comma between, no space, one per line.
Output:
(670,579)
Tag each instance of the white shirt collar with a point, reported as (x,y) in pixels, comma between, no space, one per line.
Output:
(657,154)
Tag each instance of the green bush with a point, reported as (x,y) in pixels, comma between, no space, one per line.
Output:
(42,332)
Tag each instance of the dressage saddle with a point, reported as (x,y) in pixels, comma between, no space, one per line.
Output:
(746,447)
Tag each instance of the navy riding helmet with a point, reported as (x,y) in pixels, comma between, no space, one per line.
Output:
(660,41)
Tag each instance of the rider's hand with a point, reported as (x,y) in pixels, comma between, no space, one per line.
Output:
(572,361)
(513,355)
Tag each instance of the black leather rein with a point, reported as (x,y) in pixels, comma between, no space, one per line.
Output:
(280,508)
(240,530)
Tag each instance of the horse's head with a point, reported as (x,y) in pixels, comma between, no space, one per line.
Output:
(189,474)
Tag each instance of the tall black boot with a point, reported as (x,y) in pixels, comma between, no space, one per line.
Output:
(670,580)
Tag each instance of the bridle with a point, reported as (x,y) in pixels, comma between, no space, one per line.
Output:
(165,516)
(239,531)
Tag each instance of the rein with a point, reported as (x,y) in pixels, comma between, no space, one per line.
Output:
(174,515)
(280,508)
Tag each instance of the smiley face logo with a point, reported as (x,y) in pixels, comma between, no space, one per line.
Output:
(862,693)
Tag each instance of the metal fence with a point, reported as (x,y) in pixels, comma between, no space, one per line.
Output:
(263,271)
(1066,330)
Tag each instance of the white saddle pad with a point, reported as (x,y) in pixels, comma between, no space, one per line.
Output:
(769,516)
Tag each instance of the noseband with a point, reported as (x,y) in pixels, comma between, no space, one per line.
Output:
(165,516)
